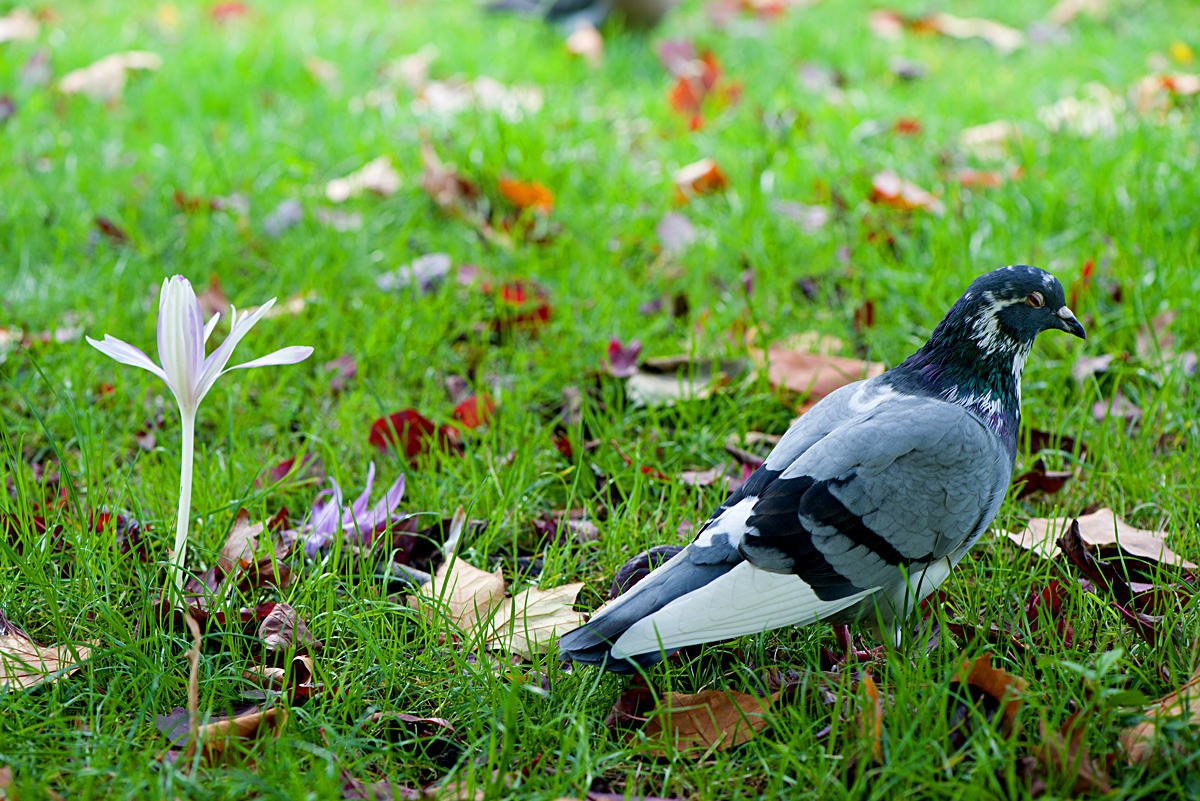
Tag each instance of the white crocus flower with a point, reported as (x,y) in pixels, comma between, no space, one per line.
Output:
(182,335)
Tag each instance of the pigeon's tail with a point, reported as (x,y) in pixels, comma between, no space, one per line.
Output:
(591,643)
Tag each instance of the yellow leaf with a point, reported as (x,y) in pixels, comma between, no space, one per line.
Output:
(527,623)
(464,594)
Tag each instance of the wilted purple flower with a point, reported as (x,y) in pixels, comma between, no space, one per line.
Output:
(361,524)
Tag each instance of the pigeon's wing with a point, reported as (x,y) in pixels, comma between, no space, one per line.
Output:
(909,482)
(881,505)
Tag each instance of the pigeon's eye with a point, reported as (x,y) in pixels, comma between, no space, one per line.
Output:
(1035,300)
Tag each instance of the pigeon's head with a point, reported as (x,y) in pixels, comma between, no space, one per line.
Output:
(1006,309)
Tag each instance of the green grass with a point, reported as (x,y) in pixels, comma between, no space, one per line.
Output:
(233,110)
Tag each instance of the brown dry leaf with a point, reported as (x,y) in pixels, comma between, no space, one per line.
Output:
(996,683)
(224,738)
(527,195)
(810,374)
(527,623)
(18,25)
(702,177)
(666,380)
(241,544)
(465,593)
(272,678)
(1065,752)
(6,781)
(887,25)
(323,72)
(889,189)
(1141,741)
(105,79)
(1066,10)
(1099,530)
(989,141)
(25,664)
(871,723)
(710,719)
(999,36)
(587,43)
(378,176)
(283,629)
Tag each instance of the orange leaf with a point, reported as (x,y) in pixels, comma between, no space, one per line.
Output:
(527,195)
(699,178)
(996,683)
(711,719)
(889,189)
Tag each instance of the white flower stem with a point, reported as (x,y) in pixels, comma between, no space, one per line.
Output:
(185,498)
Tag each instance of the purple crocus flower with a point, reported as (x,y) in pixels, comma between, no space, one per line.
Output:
(359,523)
(182,335)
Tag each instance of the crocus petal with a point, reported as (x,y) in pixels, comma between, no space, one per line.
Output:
(352,520)
(126,354)
(181,340)
(214,365)
(210,326)
(326,518)
(382,511)
(288,355)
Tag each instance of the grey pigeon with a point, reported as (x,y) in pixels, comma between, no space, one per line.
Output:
(570,14)
(866,503)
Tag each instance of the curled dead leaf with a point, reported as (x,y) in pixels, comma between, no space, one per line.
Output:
(1102,531)
(378,176)
(105,79)
(25,664)
(693,725)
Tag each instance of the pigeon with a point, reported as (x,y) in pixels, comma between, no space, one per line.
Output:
(866,503)
(570,14)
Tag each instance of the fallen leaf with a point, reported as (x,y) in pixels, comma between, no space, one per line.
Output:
(1097,114)
(808,374)
(323,72)
(527,623)
(809,218)
(344,369)
(694,725)
(224,740)
(1039,479)
(228,10)
(666,380)
(1065,11)
(1101,530)
(288,214)
(451,192)
(407,431)
(622,360)
(462,594)
(889,189)
(378,176)
(474,411)
(1065,751)
(989,141)
(25,664)
(425,273)
(675,233)
(1005,688)
(585,41)
(1142,743)
(113,232)
(870,722)
(283,629)
(238,550)
(1117,406)
(105,79)
(702,177)
(999,36)
(18,25)
(527,195)
(887,25)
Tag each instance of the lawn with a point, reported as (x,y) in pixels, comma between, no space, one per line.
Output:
(217,163)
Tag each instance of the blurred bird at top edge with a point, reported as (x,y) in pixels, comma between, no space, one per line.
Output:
(570,14)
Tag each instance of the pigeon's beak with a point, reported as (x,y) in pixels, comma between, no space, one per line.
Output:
(1069,324)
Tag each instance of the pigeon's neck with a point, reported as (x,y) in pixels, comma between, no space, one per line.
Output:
(969,361)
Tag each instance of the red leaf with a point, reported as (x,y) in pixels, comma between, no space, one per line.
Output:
(474,411)
(407,431)
(112,230)
(623,359)
(227,10)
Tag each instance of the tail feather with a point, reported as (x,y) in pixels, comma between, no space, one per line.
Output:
(591,643)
